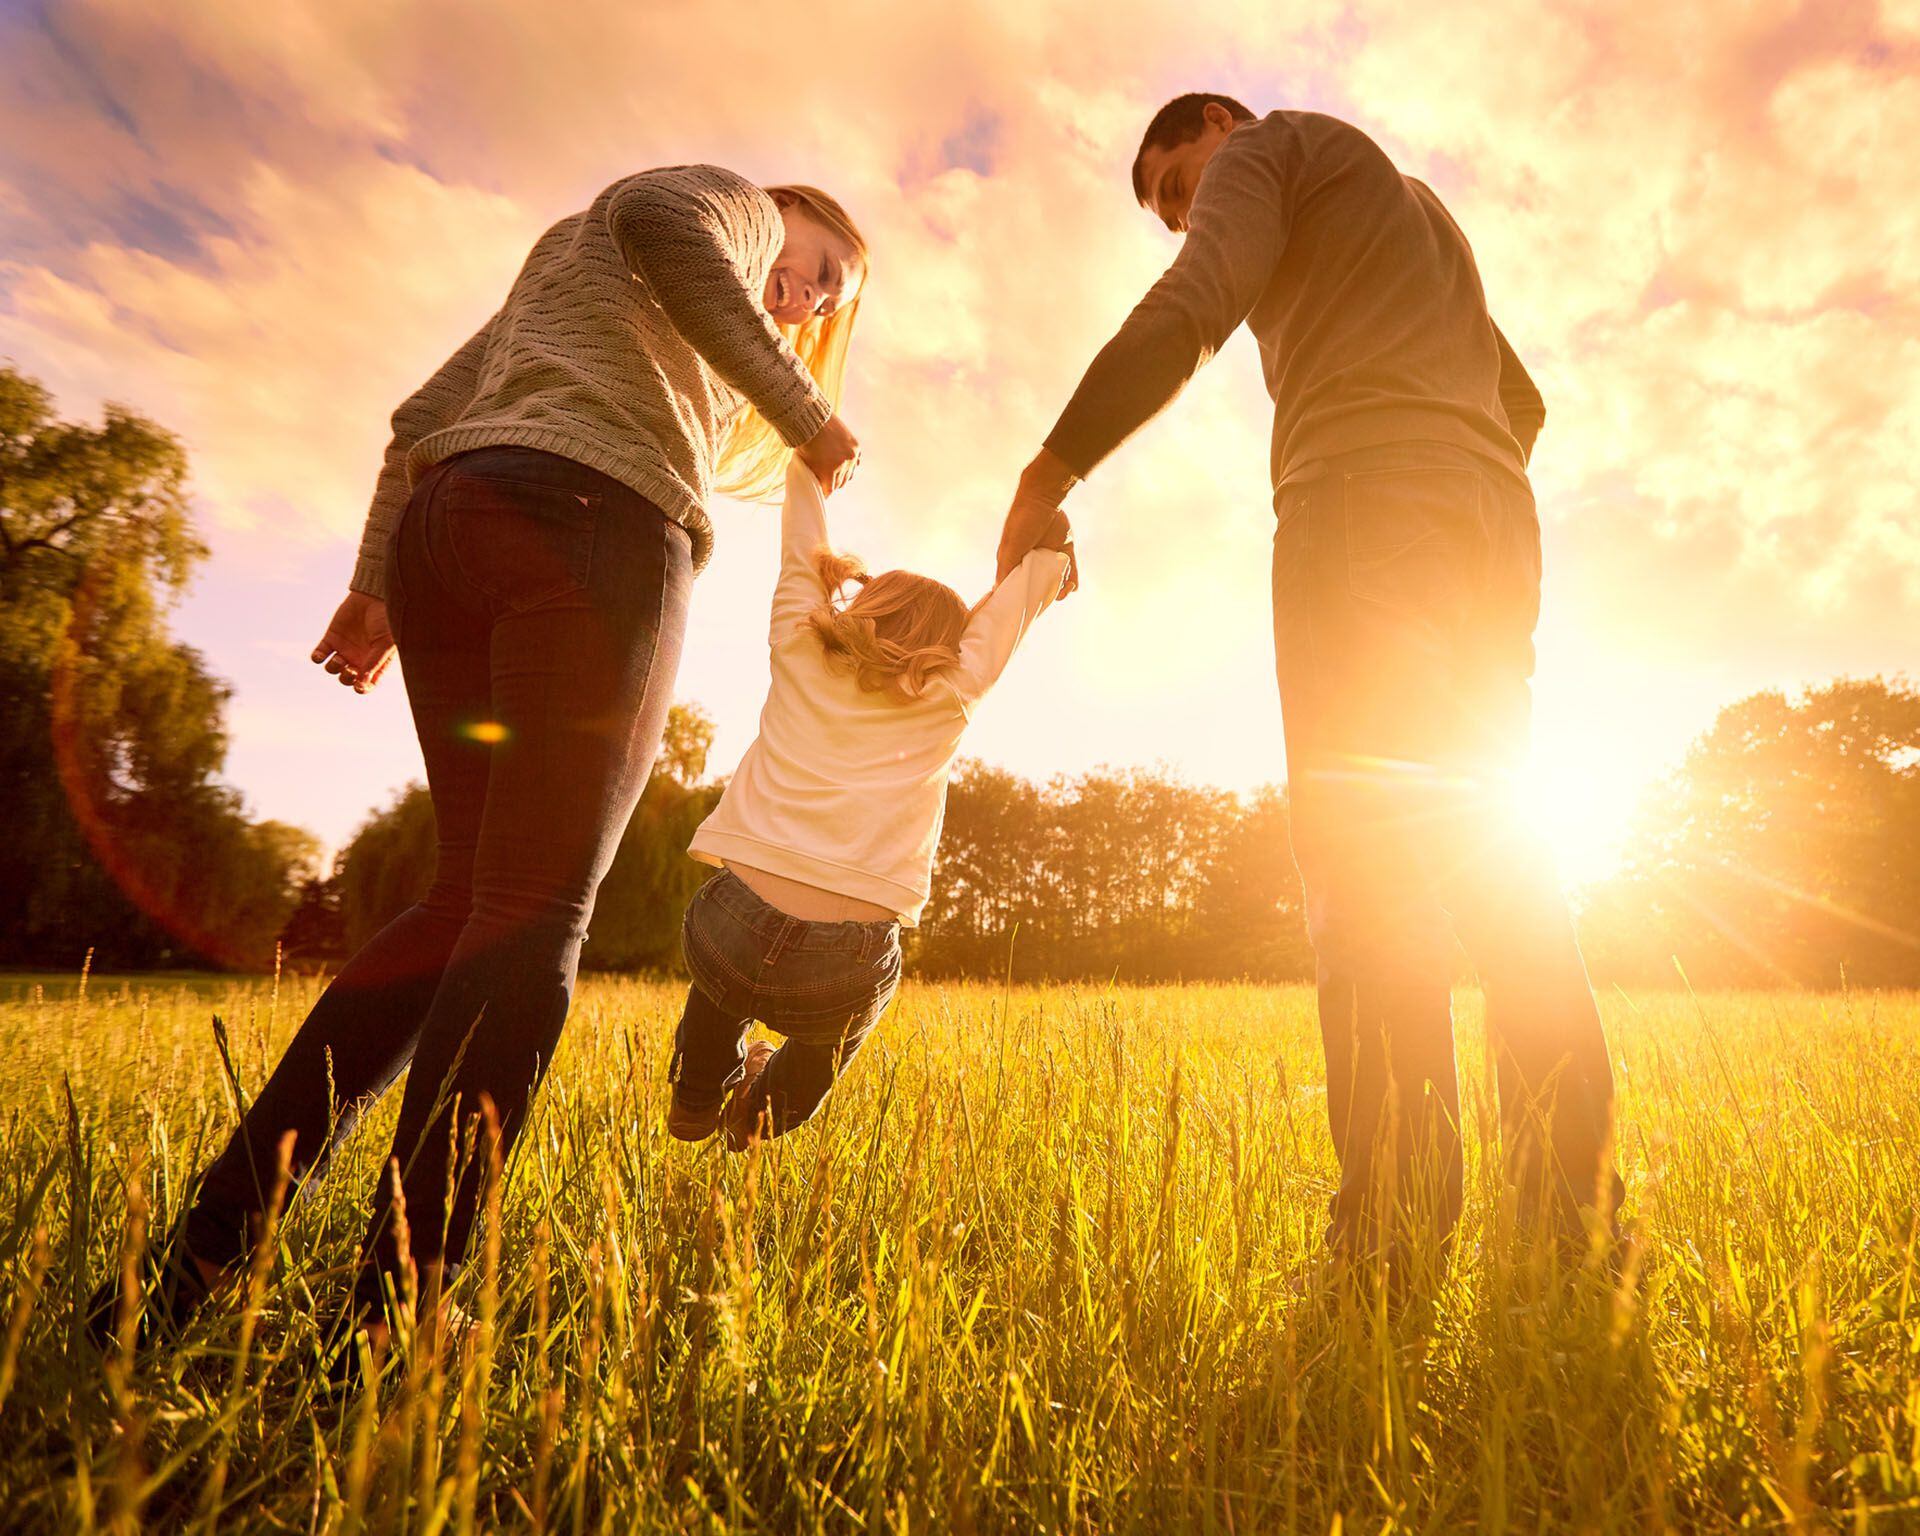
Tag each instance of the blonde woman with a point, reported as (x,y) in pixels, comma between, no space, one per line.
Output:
(827,830)
(531,545)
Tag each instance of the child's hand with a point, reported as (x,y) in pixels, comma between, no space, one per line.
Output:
(1035,518)
(1059,536)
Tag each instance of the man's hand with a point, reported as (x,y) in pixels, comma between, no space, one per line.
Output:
(1035,518)
(832,453)
(358,643)
(1059,537)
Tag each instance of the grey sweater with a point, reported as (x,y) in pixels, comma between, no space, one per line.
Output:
(1360,289)
(630,340)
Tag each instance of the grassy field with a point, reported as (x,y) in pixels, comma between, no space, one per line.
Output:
(1047,1263)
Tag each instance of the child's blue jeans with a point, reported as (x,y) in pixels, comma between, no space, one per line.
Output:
(822,985)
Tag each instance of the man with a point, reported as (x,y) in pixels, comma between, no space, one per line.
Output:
(1406,584)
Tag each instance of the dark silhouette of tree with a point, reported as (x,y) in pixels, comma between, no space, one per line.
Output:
(387,866)
(1133,874)
(315,937)
(1785,849)
(121,837)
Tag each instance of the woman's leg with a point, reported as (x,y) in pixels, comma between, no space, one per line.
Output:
(361,1032)
(588,585)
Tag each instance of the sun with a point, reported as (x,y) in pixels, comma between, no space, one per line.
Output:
(1578,793)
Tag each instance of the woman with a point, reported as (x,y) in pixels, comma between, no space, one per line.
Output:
(532,540)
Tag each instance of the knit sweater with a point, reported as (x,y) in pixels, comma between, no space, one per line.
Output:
(630,340)
(1359,288)
(845,789)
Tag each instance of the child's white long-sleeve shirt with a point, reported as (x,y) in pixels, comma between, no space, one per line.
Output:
(844,789)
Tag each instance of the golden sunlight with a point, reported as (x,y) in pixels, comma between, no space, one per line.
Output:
(1579,798)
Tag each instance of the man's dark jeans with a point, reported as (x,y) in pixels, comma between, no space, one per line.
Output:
(1406,586)
(540,609)
(822,985)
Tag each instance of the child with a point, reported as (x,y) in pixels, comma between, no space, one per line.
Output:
(825,836)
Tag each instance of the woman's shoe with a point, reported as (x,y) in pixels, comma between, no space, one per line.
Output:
(172,1289)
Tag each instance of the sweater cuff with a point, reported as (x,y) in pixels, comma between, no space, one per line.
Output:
(369,577)
(1063,445)
(798,423)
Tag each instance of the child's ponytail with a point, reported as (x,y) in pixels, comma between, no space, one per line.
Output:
(896,633)
(836,569)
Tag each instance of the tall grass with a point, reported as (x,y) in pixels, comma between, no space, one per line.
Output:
(1046,1262)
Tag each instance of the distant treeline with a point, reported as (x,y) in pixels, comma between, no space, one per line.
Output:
(1785,849)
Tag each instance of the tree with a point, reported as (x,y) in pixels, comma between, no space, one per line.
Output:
(387,866)
(315,937)
(1784,849)
(1134,874)
(111,734)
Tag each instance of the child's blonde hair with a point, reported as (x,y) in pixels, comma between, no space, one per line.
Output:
(898,631)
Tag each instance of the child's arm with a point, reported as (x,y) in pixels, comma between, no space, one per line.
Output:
(803,530)
(1001,622)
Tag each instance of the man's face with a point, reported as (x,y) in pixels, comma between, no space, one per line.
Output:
(1170,175)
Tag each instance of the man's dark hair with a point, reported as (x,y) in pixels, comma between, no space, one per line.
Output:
(1180,122)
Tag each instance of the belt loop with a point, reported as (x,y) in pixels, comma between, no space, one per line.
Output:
(781,939)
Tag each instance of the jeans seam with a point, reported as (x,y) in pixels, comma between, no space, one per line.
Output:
(711,952)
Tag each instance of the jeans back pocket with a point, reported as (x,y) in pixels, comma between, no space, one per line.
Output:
(1415,540)
(517,542)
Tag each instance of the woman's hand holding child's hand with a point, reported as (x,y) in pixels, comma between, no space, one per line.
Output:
(832,453)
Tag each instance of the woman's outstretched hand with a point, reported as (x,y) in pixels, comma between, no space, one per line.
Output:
(358,643)
(832,453)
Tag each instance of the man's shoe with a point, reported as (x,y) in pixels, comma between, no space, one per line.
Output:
(742,1116)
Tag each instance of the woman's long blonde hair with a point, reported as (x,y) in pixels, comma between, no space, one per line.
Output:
(898,631)
(752,463)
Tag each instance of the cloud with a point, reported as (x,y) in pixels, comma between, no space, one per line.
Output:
(265,225)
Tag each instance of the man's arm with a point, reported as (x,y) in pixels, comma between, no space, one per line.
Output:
(1236,231)
(1237,228)
(1519,398)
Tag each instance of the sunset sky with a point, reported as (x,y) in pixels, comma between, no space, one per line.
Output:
(1699,223)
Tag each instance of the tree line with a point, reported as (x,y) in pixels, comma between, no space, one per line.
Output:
(1782,850)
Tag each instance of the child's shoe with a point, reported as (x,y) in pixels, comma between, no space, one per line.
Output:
(691,1124)
(741,1119)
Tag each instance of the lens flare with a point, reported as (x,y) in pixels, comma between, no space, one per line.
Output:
(487,732)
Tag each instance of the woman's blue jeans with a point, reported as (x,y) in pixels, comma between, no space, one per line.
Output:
(540,609)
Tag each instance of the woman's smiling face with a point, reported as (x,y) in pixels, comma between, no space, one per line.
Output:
(817,273)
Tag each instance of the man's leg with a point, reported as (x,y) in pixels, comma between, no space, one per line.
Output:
(1555,1076)
(1359,791)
